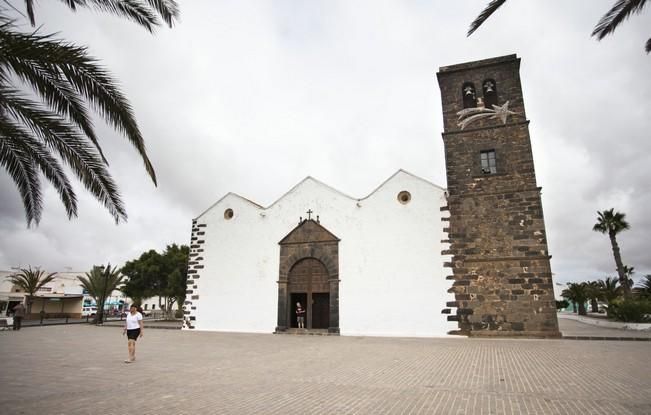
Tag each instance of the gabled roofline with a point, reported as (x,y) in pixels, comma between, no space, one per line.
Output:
(310,178)
(224,197)
(394,175)
(314,180)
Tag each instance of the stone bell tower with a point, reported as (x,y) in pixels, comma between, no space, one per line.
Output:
(501,274)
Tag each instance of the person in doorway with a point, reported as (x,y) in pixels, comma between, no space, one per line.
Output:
(300,316)
(134,329)
(19,314)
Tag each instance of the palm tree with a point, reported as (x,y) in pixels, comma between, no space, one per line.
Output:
(629,271)
(594,294)
(49,124)
(609,289)
(577,293)
(620,11)
(31,281)
(644,287)
(612,223)
(100,282)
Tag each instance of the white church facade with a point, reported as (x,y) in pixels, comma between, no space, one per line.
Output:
(360,266)
(409,259)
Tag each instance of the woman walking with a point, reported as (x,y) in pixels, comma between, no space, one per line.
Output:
(134,329)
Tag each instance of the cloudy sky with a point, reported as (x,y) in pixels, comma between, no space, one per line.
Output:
(252,96)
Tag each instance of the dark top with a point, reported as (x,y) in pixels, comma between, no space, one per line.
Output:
(19,310)
(300,312)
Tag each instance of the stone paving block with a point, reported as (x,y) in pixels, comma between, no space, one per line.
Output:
(79,370)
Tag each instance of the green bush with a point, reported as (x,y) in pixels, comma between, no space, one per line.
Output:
(630,311)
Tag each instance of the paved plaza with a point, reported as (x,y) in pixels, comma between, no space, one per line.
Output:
(79,369)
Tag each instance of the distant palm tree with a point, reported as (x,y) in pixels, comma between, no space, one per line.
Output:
(620,11)
(644,287)
(577,293)
(100,282)
(594,294)
(46,88)
(612,223)
(629,271)
(31,281)
(609,289)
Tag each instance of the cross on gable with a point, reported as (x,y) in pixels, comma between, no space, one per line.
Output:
(309,214)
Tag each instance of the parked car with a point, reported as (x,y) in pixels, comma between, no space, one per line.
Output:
(88,311)
(145,313)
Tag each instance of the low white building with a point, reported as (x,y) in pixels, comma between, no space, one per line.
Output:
(64,295)
(369,266)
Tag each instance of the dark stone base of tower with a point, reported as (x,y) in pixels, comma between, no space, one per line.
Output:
(501,273)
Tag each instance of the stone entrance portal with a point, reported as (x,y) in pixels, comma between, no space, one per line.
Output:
(309,274)
(308,284)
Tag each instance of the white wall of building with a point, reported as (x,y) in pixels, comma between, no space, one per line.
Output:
(64,283)
(391,270)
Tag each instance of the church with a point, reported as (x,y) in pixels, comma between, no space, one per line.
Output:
(410,258)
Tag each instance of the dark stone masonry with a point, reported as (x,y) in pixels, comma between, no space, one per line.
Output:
(194,266)
(501,274)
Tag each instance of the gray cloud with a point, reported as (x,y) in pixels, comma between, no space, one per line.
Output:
(251,97)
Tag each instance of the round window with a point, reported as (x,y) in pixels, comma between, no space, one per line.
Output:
(228,214)
(404,197)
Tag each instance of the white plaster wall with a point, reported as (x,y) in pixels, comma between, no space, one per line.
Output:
(391,271)
(63,283)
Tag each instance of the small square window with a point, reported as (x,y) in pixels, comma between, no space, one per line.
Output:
(488,162)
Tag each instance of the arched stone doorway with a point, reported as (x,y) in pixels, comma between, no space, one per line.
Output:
(309,274)
(308,284)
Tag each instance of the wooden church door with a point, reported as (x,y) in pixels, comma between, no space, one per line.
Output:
(320,310)
(308,280)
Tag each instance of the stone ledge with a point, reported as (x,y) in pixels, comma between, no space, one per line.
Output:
(307,332)
(607,323)
(518,334)
(635,339)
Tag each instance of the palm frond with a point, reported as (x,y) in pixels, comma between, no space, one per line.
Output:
(19,140)
(167,9)
(144,13)
(63,75)
(73,65)
(621,10)
(134,10)
(29,5)
(484,15)
(22,170)
(96,85)
(72,148)
(23,55)
(50,65)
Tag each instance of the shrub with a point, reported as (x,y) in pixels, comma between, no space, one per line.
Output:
(630,311)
